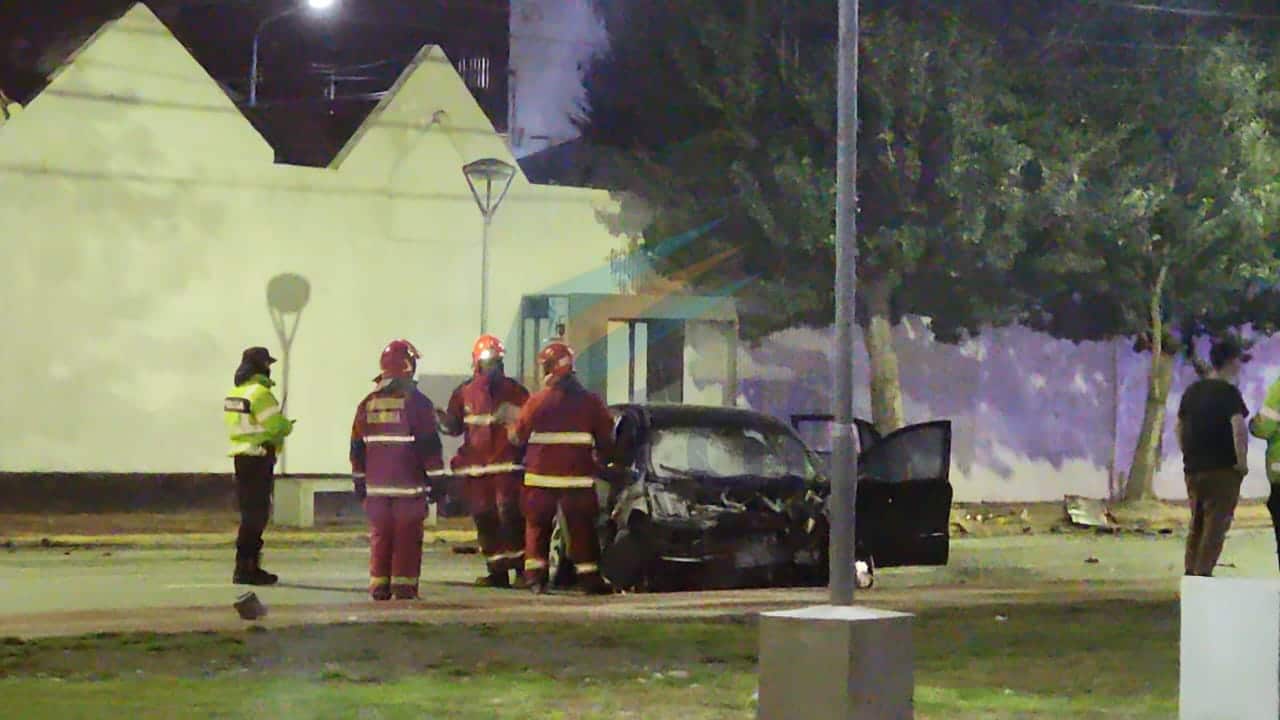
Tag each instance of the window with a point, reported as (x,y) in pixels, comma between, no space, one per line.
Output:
(476,72)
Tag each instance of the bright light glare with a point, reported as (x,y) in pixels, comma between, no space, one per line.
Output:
(320,4)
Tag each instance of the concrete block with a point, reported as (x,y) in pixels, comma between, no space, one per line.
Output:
(1230,649)
(836,663)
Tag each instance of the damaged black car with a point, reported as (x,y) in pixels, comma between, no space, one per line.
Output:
(709,498)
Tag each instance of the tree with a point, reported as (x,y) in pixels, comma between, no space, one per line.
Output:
(1163,193)
(749,139)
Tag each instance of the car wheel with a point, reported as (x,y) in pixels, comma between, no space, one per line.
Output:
(560,570)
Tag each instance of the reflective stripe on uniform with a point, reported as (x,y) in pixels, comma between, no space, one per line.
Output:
(386,403)
(388,438)
(585,568)
(379,581)
(534,564)
(559,481)
(403,580)
(437,473)
(395,491)
(481,420)
(495,469)
(561,438)
(515,555)
(269,412)
(1269,414)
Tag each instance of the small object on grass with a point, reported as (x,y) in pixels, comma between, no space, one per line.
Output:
(465,549)
(1092,561)
(249,607)
(1002,618)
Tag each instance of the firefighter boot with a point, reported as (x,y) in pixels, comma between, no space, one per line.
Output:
(593,584)
(535,581)
(495,579)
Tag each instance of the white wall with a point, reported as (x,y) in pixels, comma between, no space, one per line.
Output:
(1033,418)
(144,219)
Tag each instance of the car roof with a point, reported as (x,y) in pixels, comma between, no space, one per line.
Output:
(674,414)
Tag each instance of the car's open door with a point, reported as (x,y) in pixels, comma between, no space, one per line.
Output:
(904,496)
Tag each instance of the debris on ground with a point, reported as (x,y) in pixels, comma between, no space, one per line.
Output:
(1088,512)
(1092,561)
(465,549)
(984,520)
(250,607)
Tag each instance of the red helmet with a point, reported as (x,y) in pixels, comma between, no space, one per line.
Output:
(556,359)
(487,348)
(399,360)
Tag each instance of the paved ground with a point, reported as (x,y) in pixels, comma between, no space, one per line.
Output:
(59,591)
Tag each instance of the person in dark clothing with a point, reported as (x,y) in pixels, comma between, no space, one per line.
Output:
(1214,439)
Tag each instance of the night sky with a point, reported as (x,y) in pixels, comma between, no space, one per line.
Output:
(368,42)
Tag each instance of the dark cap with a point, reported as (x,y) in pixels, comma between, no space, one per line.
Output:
(1227,349)
(257,356)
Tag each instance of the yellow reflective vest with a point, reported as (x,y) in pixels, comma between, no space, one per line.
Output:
(1266,425)
(253,419)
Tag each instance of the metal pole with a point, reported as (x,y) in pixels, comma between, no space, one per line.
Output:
(253,71)
(844,479)
(484,276)
(284,407)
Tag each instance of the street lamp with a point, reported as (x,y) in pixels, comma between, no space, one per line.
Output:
(487,173)
(318,6)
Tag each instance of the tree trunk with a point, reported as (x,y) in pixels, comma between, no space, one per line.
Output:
(1146,456)
(886,384)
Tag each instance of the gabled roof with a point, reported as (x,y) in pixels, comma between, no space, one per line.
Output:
(577,163)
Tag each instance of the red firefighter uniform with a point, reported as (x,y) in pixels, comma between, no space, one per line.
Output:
(395,452)
(482,410)
(566,430)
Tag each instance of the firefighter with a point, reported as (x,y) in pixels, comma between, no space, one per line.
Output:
(482,410)
(567,433)
(395,455)
(257,429)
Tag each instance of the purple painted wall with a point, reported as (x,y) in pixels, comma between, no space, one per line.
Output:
(1034,418)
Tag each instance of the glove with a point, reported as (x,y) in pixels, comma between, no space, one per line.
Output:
(360,488)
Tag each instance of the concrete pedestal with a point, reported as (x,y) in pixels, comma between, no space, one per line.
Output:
(836,663)
(1230,649)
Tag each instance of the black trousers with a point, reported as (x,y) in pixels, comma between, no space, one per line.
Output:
(255,480)
(1273,507)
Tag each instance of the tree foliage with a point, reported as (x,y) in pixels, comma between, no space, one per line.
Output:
(748,137)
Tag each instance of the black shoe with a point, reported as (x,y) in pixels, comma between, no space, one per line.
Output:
(255,576)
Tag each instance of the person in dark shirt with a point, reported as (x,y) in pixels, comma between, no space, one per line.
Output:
(1214,440)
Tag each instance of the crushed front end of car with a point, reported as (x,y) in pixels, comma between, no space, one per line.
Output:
(700,531)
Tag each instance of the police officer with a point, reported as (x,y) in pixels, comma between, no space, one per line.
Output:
(482,410)
(257,430)
(568,433)
(395,454)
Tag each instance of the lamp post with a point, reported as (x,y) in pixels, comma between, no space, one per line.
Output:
(487,174)
(318,6)
(844,480)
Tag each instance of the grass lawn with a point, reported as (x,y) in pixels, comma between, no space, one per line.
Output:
(1099,660)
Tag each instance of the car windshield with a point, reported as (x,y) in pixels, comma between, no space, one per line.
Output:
(728,452)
